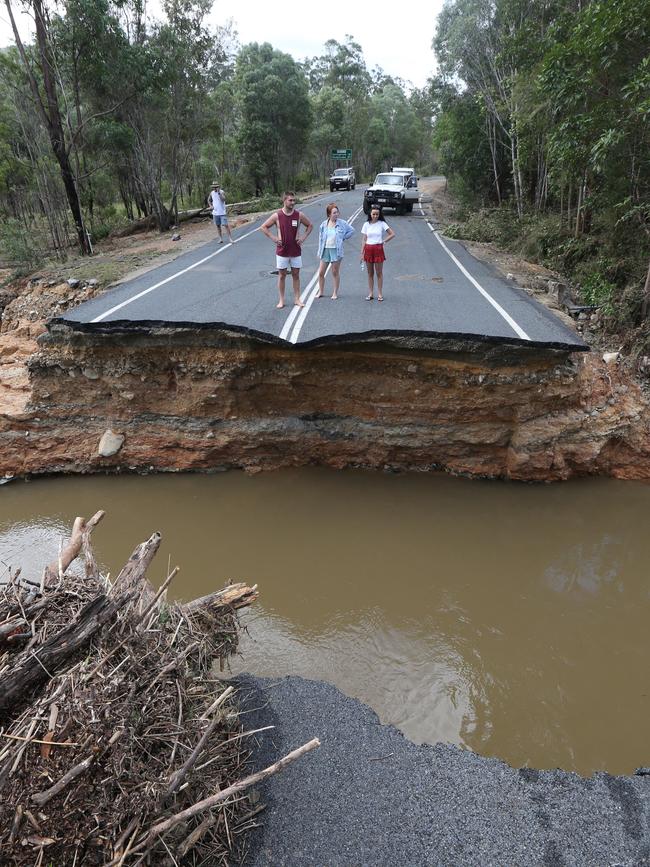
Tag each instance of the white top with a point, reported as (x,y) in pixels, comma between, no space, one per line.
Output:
(218,203)
(374,232)
(331,237)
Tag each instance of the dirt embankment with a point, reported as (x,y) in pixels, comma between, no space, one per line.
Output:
(182,399)
(186,399)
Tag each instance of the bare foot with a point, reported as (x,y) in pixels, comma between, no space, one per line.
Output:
(298,304)
(335,297)
(280,305)
(320,295)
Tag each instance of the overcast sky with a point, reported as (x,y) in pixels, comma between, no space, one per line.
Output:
(395,36)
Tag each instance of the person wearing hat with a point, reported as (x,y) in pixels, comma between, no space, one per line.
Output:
(217,201)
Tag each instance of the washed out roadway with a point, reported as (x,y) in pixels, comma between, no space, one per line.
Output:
(432,287)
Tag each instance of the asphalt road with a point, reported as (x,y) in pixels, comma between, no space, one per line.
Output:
(432,287)
(368,797)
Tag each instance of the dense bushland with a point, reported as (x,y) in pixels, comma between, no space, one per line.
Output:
(542,114)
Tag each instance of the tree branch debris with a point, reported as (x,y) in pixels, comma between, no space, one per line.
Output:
(114,726)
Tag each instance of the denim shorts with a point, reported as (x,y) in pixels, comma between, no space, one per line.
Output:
(329,255)
(220,221)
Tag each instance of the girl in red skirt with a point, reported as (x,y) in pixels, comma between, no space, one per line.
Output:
(375,233)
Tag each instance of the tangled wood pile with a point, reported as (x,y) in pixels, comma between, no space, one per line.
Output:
(114,725)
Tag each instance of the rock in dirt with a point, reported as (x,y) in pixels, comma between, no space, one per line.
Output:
(110,444)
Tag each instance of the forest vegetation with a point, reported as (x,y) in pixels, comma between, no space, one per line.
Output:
(542,111)
(110,116)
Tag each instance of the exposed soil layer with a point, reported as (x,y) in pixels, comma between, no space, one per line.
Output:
(190,399)
(186,399)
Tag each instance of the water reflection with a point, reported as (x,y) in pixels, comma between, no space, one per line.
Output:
(509,619)
(587,567)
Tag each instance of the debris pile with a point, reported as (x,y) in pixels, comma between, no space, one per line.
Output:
(114,724)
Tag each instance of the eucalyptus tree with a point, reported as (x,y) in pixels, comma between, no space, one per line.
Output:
(492,46)
(596,77)
(276,116)
(40,68)
(342,68)
(328,109)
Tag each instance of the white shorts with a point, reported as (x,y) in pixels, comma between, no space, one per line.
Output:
(284,262)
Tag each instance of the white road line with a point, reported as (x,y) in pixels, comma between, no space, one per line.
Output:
(158,285)
(511,322)
(183,271)
(286,328)
(301,312)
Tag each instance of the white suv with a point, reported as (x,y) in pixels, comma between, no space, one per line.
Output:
(343,179)
(395,190)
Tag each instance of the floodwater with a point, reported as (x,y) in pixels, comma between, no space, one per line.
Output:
(509,619)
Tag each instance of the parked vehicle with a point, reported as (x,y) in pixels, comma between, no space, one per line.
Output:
(343,179)
(396,190)
(408,169)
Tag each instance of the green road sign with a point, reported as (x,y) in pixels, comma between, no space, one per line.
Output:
(341,153)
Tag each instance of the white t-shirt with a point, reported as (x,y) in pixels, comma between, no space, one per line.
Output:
(218,204)
(374,232)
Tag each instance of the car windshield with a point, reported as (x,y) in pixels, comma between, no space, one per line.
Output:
(396,180)
(341,173)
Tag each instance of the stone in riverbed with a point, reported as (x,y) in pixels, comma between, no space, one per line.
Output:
(110,444)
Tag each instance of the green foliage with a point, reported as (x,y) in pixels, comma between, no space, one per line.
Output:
(486,225)
(19,246)
(545,107)
(597,290)
(272,98)
(458,135)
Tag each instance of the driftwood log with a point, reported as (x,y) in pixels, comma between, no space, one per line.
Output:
(36,666)
(118,742)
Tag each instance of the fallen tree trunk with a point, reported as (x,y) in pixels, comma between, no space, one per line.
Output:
(35,667)
(146,224)
(54,572)
(234,596)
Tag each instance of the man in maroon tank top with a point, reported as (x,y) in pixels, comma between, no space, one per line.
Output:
(288,245)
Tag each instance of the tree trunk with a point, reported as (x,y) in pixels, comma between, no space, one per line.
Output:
(32,668)
(493,151)
(51,114)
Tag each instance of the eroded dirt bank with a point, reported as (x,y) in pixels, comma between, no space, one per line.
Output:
(187,399)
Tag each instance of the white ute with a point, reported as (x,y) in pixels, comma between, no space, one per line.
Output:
(396,189)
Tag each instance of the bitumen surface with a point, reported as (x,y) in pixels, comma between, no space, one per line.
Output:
(368,796)
(432,287)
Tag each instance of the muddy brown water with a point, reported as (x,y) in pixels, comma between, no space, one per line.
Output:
(509,619)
